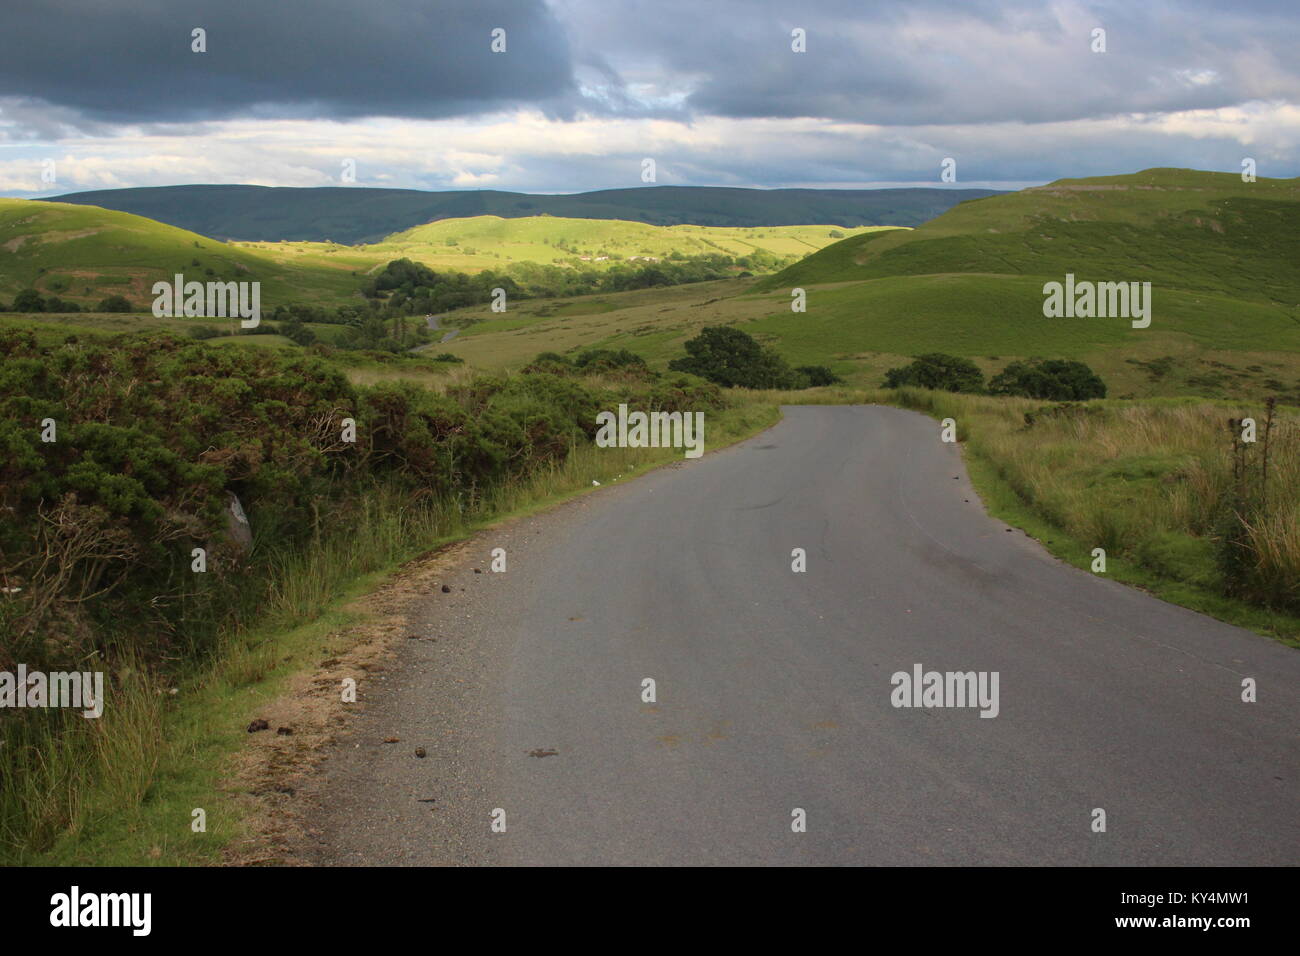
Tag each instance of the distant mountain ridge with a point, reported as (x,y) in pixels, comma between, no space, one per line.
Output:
(354,214)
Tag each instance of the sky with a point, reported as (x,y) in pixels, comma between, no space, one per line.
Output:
(102,94)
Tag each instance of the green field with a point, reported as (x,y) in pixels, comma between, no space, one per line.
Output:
(491,242)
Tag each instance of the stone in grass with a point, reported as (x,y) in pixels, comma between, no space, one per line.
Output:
(257,725)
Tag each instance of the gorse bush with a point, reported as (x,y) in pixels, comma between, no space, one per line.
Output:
(152,435)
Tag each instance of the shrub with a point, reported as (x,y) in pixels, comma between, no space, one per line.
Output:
(29,300)
(115,303)
(298,333)
(607,358)
(818,375)
(1054,379)
(945,373)
(733,358)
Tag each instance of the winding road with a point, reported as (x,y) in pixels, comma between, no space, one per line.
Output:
(773,688)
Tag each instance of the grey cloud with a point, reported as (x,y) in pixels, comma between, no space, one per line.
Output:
(130,60)
(951,61)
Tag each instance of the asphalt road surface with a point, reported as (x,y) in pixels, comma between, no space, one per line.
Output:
(774,688)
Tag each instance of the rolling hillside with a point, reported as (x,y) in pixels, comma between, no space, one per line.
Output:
(1179,229)
(1221,255)
(353,214)
(83,253)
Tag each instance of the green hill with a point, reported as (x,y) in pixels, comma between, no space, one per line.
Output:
(1221,256)
(1176,228)
(352,214)
(84,253)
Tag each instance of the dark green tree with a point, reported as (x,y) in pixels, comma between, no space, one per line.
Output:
(731,357)
(115,303)
(945,373)
(29,300)
(818,375)
(1055,379)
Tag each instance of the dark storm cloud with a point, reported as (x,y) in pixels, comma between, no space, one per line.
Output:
(131,61)
(912,62)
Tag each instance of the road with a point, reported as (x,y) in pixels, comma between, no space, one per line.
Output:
(774,688)
(434,326)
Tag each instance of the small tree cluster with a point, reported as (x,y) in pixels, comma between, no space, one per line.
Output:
(733,358)
(1053,379)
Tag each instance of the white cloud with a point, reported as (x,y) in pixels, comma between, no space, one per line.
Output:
(527,151)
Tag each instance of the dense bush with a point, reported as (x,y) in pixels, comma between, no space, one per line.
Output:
(607,359)
(1054,379)
(28,300)
(818,375)
(298,333)
(945,373)
(152,434)
(115,303)
(731,357)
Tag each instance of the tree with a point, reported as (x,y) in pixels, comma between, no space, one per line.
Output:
(1054,379)
(946,373)
(115,303)
(29,300)
(298,333)
(818,375)
(731,357)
